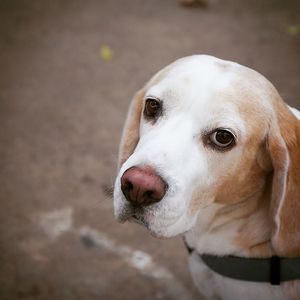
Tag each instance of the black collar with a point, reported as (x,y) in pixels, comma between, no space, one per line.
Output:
(273,270)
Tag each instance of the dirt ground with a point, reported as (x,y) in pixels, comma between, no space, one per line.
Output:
(62,107)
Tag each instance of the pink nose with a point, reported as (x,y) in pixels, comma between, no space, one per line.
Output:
(142,186)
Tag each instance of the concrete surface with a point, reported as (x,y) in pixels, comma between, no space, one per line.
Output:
(62,108)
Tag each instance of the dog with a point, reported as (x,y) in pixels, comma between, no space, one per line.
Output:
(211,151)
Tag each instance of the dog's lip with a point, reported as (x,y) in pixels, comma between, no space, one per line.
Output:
(136,219)
(122,218)
(140,216)
(131,214)
(123,214)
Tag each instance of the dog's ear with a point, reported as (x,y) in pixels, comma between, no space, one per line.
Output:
(284,148)
(130,135)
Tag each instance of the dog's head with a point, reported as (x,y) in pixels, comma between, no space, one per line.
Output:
(204,133)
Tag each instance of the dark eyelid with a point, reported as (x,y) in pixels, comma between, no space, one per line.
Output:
(152,97)
(226,129)
(206,138)
(210,131)
(155,112)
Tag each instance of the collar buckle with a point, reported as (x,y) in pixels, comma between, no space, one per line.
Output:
(275,270)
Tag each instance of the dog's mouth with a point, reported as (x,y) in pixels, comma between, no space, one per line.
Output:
(133,214)
(139,215)
(137,219)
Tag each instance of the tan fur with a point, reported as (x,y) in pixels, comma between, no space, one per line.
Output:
(246,194)
(248,180)
(254,234)
(284,149)
(285,152)
(223,65)
(130,136)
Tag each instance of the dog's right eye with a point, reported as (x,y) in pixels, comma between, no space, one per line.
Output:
(222,139)
(153,108)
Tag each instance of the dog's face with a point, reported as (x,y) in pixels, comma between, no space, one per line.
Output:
(194,139)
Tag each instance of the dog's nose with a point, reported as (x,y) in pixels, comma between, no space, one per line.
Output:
(142,186)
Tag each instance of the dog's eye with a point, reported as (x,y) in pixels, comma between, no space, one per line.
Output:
(222,138)
(152,108)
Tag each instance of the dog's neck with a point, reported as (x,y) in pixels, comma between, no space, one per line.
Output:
(241,229)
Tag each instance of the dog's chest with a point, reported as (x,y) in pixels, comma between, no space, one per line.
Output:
(215,287)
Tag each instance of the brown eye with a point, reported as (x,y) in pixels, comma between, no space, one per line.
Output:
(222,138)
(152,108)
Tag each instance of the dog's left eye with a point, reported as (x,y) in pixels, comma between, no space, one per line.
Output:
(222,138)
(152,108)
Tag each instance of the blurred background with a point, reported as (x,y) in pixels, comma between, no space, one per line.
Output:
(68,72)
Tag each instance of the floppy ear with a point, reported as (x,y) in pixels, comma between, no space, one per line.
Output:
(130,135)
(284,148)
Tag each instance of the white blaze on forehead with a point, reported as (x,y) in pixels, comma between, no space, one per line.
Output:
(198,76)
(193,87)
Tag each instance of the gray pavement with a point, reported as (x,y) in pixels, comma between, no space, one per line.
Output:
(62,107)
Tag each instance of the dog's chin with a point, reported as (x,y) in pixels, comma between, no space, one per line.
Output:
(141,221)
(155,228)
(159,226)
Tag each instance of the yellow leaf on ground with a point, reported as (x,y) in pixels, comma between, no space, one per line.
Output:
(293,29)
(106,53)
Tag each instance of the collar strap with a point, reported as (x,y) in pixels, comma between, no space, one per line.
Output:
(273,270)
